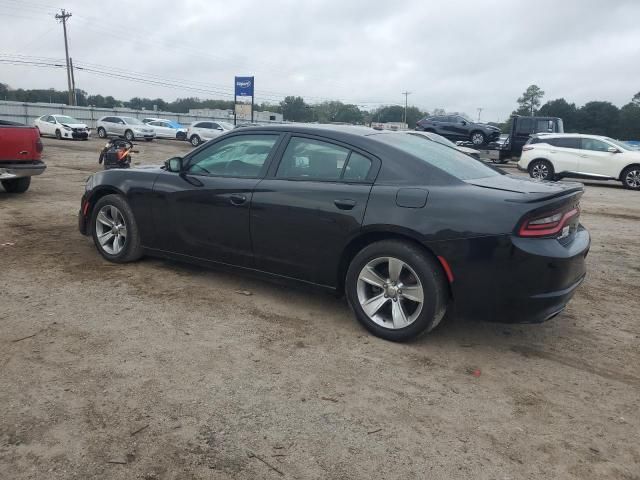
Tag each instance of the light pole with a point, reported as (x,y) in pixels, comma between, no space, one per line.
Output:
(406,95)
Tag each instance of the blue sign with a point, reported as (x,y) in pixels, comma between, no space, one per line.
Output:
(244,87)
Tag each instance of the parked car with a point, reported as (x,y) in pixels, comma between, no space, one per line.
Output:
(127,127)
(20,156)
(455,127)
(403,226)
(62,126)
(555,156)
(167,128)
(199,132)
(434,137)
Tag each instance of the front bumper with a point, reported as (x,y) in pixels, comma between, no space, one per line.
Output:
(144,135)
(9,170)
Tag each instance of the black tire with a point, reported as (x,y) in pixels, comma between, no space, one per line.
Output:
(17,185)
(148,139)
(129,135)
(541,169)
(195,140)
(631,177)
(181,136)
(58,135)
(478,138)
(132,249)
(426,269)
(102,133)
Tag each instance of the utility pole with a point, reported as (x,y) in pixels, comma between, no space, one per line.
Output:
(479,112)
(62,16)
(73,82)
(406,95)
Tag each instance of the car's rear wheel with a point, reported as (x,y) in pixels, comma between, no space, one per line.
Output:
(102,133)
(396,290)
(129,135)
(115,231)
(16,185)
(631,177)
(478,138)
(58,135)
(541,170)
(195,140)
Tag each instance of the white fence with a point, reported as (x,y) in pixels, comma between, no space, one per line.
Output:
(27,112)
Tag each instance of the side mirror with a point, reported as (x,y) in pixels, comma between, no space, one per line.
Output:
(463,123)
(613,150)
(173,164)
(219,128)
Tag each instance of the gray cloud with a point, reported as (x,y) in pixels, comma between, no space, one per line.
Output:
(457,55)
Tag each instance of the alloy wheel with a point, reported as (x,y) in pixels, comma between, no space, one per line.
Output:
(390,292)
(477,139)
(111,229)
(632,179)
(540,171)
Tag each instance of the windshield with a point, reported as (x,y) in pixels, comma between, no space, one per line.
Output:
(434,137)
(225,125)
(132,121)
(440,156)
(65,119)
(618,143)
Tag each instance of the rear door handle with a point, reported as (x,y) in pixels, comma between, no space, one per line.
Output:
(345,204)
(237,199)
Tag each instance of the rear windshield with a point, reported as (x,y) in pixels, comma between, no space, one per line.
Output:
(445,158)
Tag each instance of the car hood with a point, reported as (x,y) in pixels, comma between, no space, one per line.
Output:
(74,125)
(531,190)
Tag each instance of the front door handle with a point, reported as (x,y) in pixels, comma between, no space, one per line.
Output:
(345,204)
(237,199)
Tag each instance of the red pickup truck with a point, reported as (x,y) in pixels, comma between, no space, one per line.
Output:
(20,153)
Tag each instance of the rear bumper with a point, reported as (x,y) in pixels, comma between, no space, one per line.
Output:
(516,280)
(10,170)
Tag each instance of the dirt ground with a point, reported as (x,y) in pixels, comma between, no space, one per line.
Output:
(157,370)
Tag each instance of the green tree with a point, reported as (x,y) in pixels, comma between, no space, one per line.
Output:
(636,98)
(559,107)
(295,109)
(629,122)
(598,118)
(530,100)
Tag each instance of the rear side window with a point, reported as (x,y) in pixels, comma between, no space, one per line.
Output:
(571,142)
(357,168)
(310,159)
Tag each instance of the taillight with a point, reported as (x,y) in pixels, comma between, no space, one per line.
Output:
(39,146)
(547,224)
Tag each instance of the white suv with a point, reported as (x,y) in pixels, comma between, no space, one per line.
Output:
(555,156)
(206,130)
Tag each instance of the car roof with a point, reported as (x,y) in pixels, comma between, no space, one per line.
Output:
(561,135)
(318,128)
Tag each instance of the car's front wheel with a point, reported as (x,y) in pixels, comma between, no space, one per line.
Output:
(631,177)
(115,231)
(478,138)
(129,135)
(396,290)
(195,140)
(58,135)
(541,170)
(16,185)
(102,133)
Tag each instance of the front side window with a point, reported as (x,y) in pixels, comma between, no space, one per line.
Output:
(310,159)
(525,126)
(544,126)
(238,156)
(594,145)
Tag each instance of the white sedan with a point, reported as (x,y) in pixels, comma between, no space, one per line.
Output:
(166,128)
(62,126)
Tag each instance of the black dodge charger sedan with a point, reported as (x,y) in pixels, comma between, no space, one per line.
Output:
(406,228)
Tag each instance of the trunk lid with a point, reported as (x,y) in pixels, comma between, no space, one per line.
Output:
(19,143)
(527,190)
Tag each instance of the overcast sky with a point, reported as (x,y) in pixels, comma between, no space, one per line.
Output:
(458,55)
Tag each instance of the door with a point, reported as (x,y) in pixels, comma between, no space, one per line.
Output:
(203,212)
(118,126)
(596,159)
(564,153)
(308,208)
(162,129)
(521,130)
